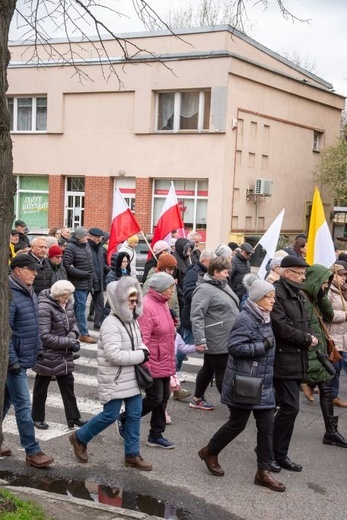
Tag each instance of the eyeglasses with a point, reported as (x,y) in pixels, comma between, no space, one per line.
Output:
(269,297)
(299,273)
(132,300)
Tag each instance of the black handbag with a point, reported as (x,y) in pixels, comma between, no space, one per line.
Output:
(247,389)
(143,377)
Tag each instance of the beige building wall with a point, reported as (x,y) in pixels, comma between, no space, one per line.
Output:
(264,112)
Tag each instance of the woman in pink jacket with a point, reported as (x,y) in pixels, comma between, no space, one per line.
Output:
(158,335)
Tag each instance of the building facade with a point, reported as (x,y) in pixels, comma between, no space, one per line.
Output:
(235,126)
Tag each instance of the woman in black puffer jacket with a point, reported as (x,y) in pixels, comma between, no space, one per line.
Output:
(60,340)
(251,353)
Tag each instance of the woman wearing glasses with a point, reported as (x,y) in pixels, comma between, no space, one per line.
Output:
(120,348)
(251,352)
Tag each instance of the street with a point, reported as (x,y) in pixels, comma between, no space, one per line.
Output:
(179,479)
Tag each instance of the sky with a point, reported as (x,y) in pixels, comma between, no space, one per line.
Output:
(321,42)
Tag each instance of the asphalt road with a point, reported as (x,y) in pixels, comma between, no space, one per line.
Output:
(180,485)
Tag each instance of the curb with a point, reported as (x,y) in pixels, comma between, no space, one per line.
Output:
(63,507)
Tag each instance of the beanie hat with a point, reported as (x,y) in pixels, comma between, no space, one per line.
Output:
(159,282)
(223,251)
(160,246)
(281,253)
(55,251)
(259,289)
(133,239)
(80,232)
(166,261)
(62,287)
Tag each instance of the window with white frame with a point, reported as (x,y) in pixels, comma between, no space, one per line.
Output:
(317,141)
(27,114)
(184,111)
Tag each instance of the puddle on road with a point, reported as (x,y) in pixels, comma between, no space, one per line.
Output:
(92,491)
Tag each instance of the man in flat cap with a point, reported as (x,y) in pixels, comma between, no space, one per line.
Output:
(100,270)
(25,345)
(78,263)
(293,335)
(240,266)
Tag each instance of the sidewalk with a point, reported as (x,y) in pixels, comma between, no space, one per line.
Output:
(60,507)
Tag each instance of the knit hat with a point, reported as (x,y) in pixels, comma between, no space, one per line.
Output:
(338,269)
(80,232)
(281,253)
(131,290)
(160,246)
(159,282)
(223,251)
(259,289)
(166,261)
(133,240)
(62,287)
(55,251)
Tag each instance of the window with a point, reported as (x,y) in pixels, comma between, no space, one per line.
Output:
(31,201)
(317,141)
(28,114)
(180,111)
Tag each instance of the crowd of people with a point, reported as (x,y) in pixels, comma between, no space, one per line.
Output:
(271,338)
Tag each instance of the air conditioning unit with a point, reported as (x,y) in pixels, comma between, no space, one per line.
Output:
(263,187)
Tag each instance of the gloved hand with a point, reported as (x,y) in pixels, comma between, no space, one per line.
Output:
(76,346)
(14,369)
(146,354)
(267,343)
(39,356)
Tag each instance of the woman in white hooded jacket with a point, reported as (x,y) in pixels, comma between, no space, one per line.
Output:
(120,348)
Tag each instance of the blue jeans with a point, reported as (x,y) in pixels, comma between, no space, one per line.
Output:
(342,364)
(80,310)
(110,413)
(17,393)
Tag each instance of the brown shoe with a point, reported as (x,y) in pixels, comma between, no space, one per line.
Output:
(80,449)
(264,478)
(138,462)
(5,452)
(39,460)
(178,395)
(87,339)
(211,462)
(338,402)
(308,392)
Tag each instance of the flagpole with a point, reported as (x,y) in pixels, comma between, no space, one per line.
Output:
(149,247)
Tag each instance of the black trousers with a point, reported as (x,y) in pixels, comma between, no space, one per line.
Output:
(155,401)
(288,399)
(66,387)
(237,423)
(99,304)
(213,364)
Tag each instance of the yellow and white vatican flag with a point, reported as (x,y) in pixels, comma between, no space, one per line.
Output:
(320,245)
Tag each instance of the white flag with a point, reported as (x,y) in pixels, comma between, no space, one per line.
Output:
(269,242)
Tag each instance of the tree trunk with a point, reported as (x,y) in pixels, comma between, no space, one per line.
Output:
(7,191)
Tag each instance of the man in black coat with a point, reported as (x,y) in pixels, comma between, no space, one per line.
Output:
(78,263)
(39,253)
(182,253)
(100,271)
(240,266)
(293,336)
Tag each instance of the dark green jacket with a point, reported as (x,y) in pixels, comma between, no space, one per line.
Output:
(317,302)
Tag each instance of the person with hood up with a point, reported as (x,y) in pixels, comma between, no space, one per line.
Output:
(182,253)
(213,313)
(120,348)
(120,266)
(315,287)
(60,340)
(251,351)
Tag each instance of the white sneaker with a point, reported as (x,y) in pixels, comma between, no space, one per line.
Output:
(180,377)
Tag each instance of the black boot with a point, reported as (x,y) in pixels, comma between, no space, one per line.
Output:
(332,435)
